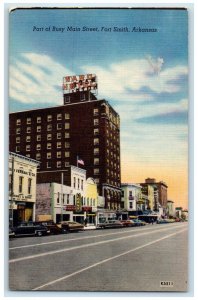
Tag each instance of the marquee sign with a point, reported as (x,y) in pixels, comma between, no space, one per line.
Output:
(79,83)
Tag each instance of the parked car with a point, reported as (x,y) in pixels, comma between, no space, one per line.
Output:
(52,227)
(162,221)
(139,222)
(29,228)
(69,226)
(127,223)
(110,224)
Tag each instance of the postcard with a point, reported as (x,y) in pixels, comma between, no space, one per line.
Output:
(98,149)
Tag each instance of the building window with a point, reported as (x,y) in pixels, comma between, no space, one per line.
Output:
(28,138)
(58,198)
(67,198)
(49,127)
(27,147)
(78,183)
(10,183)
(67,125)
(67,116)
(67,99)
(96,171)
(18,122)
(130,205)
(18,140)
(28,130)
(49,165)
(58,135)
(82,97)
(67,154)
(49,155)
(38,147)
(59,116)
(95,111)
(66,164)
(82,184)
(58,144)
(96,122)
(20,184)
(49,146)
(67,135)
(38,129)
(96,131)
(38,156)
(58,154)
(49,136)
(96,141)
(74,182)
(96,161)
(29,185)
(18,130)
(59,126)
(96,151)
(67,145)
(49,118)
(38,119)
(38,138)
(58,164)
(27,155)
(29,120)
(97,180)
(17,148)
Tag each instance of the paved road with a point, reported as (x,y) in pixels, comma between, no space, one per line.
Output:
(125,259)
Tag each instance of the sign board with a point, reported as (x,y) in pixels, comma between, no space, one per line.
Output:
(79,83)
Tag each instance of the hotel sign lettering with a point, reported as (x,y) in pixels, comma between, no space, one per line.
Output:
(78,83)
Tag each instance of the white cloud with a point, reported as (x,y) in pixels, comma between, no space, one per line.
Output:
(34,79)
(117,80)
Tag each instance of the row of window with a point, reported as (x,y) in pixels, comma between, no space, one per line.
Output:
(49,147)
(59,117)
(66,200)
(21,185)
(59,126)
(78,183)
(59,164)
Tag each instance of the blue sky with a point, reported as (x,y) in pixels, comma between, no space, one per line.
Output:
(143,75)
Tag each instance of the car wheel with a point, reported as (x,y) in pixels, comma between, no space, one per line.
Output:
(39,233)
(65,230)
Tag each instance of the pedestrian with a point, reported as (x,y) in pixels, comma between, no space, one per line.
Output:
(152,221)
(85,222)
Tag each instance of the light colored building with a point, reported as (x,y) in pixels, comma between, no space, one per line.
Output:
(170,209)
(90,202)
(131,197)
(22,188)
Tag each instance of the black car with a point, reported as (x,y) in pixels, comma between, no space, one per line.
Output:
(29,228)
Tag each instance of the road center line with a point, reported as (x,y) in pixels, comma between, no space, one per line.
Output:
(106,260)
(82,246)
(83,238)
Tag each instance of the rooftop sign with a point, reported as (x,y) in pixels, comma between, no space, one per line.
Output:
(79,83)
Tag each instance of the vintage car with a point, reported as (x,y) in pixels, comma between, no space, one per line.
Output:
(138,222)
(52,227)
(127,223)
(29,228)
(70,226)
(110,224)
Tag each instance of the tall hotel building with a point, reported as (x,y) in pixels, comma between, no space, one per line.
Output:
(83,128)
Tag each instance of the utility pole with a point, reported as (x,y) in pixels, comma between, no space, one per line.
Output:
(61,196)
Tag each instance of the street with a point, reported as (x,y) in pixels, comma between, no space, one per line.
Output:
(147,258)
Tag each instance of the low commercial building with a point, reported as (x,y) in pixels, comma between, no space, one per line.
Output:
(22,188)
(132,198)
(170,209)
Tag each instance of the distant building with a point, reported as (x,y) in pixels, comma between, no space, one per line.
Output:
(132,198)
(148,191)
(22,188)
(170,208)
(160,193)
